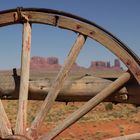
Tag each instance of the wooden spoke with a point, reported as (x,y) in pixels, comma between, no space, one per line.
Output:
(5,126)
(88,106)
(24,81)
(57,85)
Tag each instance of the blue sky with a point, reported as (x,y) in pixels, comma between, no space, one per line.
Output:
(120,17)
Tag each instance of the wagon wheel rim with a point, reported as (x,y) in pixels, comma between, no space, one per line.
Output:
(85,29)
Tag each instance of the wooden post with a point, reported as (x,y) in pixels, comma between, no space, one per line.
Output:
(87,106)
(56,86)
(24,81)
(5,126)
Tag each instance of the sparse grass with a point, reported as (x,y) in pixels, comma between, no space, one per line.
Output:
(103,112)
(109,106)
(122,132)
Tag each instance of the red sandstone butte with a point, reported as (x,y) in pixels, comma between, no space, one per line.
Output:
(43,63)
(49,64)
(52,64)
(76,67)
(102,65)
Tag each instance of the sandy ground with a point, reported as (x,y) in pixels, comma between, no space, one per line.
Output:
(105,121)
(97,130)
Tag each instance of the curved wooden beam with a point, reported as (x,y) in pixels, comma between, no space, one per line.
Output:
(77,24)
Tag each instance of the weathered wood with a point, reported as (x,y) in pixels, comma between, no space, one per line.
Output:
(75,24)
(127,137)
(106,40)
(24,81)
(45,17)
(80,87)
(39,87)
(5,126)
(91,30)
(33,16)
(7,18)
(57,85)
(117,84)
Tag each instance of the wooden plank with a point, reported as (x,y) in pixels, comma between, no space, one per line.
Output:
(7,18)
(80,88)
(117,84)
(24,81)
(5,126)
(40,17)
(34,16)
(57,85)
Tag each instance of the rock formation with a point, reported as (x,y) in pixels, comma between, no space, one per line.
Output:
(102,65)
(76,67)
(52,64)
(96,65)
(49,63)
(42,63)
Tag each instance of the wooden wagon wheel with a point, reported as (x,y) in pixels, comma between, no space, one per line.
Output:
(85,29)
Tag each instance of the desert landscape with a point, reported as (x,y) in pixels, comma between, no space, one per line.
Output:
(93,92)
(105,121)
(52,64)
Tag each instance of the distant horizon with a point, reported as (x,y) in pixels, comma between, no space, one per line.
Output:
(78,63)
(99,60)
(121,18)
